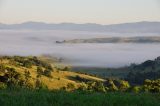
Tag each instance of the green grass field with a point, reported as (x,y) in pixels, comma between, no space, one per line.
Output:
(22,97)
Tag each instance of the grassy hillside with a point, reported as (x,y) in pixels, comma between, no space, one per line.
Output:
(38,81)
(40,69)
(135,73)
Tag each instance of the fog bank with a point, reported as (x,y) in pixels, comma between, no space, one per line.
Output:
(31,42)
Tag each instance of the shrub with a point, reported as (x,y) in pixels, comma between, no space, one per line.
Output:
(99,87)
(11,76)
(27,75)
(2,68)
(137,89)
(124,85)
(66,68)
(2,86)
(27,64)
(83,87)
(40,85)
(59,78)
(47,73)
(81,79)
(70,86)
(112,86)
(39,71)
(151,86)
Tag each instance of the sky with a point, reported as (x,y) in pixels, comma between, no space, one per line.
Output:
(79,11)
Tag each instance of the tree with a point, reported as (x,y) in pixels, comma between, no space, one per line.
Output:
(137,89)
(100,87)
(151,86)
(40,85)
(28,84)
(12,77)
(66,68)
(124,85)
(3,85)
(27,64)
(39,71)
(27,74)
(47,73)
(70,86)
(111,85)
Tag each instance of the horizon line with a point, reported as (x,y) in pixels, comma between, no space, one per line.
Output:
(74,22)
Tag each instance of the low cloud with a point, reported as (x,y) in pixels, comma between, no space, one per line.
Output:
(98,55)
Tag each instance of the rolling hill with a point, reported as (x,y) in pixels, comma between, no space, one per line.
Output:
(38,81)
(135,74)
(19,69)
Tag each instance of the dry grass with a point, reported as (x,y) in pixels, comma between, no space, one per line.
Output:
(59,78)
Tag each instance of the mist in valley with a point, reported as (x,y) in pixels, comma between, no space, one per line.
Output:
(39,42)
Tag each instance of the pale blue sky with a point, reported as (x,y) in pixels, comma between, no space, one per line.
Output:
(79,11)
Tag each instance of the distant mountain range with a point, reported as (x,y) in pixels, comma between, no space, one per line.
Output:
(138,27)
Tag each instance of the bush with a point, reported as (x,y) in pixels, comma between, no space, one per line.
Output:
(124,85)
(2,68)
(152,86)
(39,71)
(137,89)
(66,69)
(2,86)
(83,87)
(70,86)
(59,78)
(27,64)
(11,76)
(47,73)
(40,85)
(81,79)
(99,87)
(111,85)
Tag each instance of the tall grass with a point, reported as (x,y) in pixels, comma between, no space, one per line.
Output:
(25,97)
